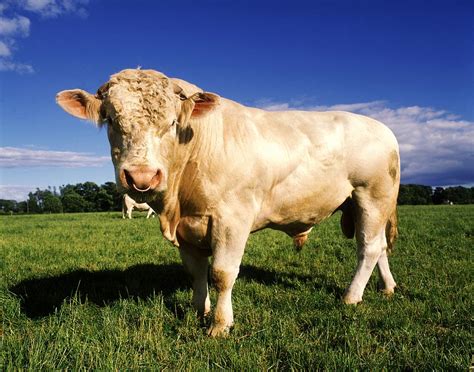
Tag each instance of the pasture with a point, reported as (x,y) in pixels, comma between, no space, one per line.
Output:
(93,291)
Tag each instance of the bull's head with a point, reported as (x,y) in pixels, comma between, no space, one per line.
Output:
(146,115)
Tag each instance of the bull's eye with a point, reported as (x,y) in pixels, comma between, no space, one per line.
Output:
(115,153)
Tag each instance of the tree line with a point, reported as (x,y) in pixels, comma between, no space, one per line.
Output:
(424,195)
(81,197)
(90,197)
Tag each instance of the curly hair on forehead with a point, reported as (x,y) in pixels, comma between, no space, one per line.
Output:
(139,79)
(145,94)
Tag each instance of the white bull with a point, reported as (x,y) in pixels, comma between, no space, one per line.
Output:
(128,204)
(216,171)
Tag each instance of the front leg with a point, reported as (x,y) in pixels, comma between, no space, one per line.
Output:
(196,264)
(228,249)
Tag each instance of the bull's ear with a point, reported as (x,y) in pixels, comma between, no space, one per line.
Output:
(204,103)
(80,104)
(197,105)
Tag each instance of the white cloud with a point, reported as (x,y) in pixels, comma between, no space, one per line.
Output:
(15,157)
(15,26)
(18,26)
(436,147)
(4,50)
(15,192)
(54,8)
(11,29)
(37,5)
(21,68)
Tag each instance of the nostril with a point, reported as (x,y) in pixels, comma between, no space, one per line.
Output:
(128,178)
(156,179)
(141,179)
(125,178)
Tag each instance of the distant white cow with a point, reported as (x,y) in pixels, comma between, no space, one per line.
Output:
(128,205)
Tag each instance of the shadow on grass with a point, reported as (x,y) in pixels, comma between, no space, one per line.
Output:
(40,297)
(290,280)
(271,277)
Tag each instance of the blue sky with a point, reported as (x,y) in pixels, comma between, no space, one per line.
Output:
(409,64)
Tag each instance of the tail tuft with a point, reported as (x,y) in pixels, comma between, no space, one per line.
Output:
(391,230)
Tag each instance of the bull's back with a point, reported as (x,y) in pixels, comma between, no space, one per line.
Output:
(332,144)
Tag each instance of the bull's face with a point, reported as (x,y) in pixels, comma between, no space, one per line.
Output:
(146,115)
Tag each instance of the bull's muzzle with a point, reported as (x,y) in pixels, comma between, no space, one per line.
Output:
(141,178)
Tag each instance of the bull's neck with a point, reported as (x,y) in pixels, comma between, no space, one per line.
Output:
(189,160)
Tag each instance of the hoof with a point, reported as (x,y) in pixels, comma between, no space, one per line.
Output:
(204,316)
(217,330)
(349,299)
(386,290)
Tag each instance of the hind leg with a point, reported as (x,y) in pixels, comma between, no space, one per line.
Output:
(369,251)
(387,283)
(370,219)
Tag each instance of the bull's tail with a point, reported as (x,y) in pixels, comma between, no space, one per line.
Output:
(348,223)
(347,218)
(391,230)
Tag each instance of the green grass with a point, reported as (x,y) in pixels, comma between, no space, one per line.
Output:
(93,291)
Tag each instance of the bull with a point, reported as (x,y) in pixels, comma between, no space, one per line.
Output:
(216,171)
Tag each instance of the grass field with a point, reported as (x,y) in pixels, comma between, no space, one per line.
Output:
(82,291)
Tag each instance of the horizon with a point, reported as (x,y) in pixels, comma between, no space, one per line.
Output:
(56,190)
(405,64)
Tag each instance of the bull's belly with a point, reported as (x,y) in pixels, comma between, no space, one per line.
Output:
(293,224)
(296,215)
(195,231)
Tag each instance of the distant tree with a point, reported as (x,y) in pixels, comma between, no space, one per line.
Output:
(94,197)
(89,191)
(64,189)
(8,206)
(34,201)
(459,195)
(73,202)
(22,207)
(415,194)
(42,201)
(111,189)
(439,196)
(104,201)
(52,203)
